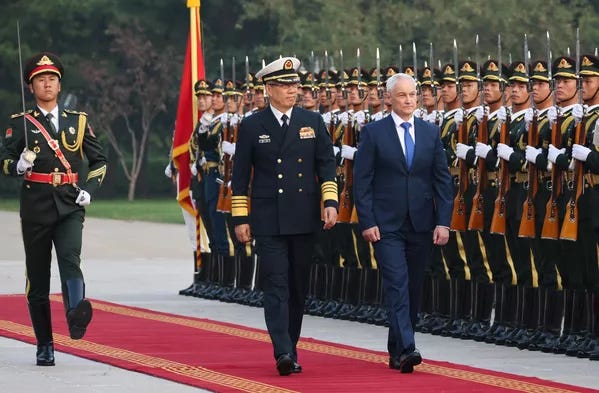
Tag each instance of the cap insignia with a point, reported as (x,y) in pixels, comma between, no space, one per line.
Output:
(288,65)
(564,64)
(467,68)
(586,62)
(492,67)
(449,70)
(45,60)
(540,67)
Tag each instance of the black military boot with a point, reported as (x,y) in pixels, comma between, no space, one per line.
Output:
(482,307)
(245,278)
(553,312)
(320,281)
(442,329)
(583,326)
(573,320)
(593,350)
(509,312)
(526,319)
(41,320)
(190,289)
(351,292)
(463,308)
(335,293)
(78,309)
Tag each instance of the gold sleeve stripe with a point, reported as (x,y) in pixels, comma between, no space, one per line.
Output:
(5,166)
(100,173)
(329,191)
(239,206)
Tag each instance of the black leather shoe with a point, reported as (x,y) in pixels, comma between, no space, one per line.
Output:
(394,363)
(285,364)
(408,361)
(45,355)
(78,319)
(296,368)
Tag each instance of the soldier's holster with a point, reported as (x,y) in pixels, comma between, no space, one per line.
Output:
(78,309)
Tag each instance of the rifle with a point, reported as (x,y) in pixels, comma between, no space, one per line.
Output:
(551,222)
(570,224)
(345,198)
(477,214)
(458,216)
(527,221)
(224,195)
(498,221)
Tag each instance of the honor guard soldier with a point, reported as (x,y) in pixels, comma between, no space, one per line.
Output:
(309,98)
(285,156)
(53,198)
(431,100)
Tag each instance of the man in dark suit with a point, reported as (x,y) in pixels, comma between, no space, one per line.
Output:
(403,195)
(285,156)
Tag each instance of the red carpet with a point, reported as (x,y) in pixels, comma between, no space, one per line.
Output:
(230,358)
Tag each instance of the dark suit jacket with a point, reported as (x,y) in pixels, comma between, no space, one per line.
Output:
(385,191)
(286,172)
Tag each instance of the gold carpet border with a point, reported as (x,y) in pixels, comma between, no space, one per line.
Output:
(194,372)
(471,376)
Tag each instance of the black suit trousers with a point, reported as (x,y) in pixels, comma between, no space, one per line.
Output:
(284,269)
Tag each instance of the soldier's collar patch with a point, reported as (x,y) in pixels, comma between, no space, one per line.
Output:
(8,133)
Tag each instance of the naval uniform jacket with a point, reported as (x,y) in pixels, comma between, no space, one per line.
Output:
(285,172)
(44,203)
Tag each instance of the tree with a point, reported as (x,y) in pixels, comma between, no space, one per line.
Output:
(129,94)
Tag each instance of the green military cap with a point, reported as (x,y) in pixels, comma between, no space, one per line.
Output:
(409,70)
(539,71)
(490,71)
(390,71)
(258,84)
(343,78)
(283,70)
(373,74)
(248,82)
(202,87)
(232,88)
(448,73)
(429,76)
(589,65)
(357,75)
(467,71)
(43,63)
(564,67)
(218,86)
(518,72)
(322,78)
(307,80)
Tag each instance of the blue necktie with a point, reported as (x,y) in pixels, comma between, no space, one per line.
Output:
(409,143)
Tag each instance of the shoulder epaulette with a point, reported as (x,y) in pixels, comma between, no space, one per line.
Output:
(73,112)
(20,114)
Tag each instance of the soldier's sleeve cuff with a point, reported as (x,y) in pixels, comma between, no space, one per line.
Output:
(329,191)
(239,206)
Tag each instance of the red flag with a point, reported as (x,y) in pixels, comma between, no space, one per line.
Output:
(187,113)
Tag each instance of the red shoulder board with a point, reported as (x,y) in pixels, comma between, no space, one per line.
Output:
(8,133)
(91,132)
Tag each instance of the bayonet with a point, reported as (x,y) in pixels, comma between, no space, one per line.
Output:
(500,66)
(248,91)
(549,69)
(342,71)
(313,64)
(418,87)
(360,90)
(326,76)
(456,67)
(526,65)
(578,78)
(478,78)
(400,58)
(379,86)
(430,58)
(235,96)
(222,78)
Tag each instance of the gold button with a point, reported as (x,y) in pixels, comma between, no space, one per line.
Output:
(299,160)
(55,169)
(299,175)
(279,160)
(280,190)
(280,175)
(300,190)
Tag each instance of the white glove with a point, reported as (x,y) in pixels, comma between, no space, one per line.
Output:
(552,114)
(528,115)
(482,150)
(228,148)
(532,153)
(580,152)
(461,150)
(23,165)
(348,152)
(420,113)
(501,114)
(194,169)
(168,172)
(344,118)
(326,117)
(596,134)
(458,117)
(571,165)
(234,120)
(504,151)
(377,116)
(336,150)
(554,152)
(577,112)
(479,113)
(360,117)
(432,117)
(223,117)
(205,122)
(83,199)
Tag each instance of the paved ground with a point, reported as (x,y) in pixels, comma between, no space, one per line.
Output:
(145,265)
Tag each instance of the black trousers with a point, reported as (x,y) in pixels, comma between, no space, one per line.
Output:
(65,234)
(284,269)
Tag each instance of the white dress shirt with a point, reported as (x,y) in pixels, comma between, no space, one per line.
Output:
(400,130)
(278,114)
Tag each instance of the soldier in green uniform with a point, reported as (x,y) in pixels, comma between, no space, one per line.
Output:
(53,198)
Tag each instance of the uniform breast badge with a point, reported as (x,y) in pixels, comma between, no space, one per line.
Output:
(307,133)
(264,139)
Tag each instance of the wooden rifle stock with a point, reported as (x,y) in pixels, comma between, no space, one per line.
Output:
(345,199)
(458,216)
(477,215)
(224,193)
(527,221)
(551,222)
(500,210)
(570,224)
